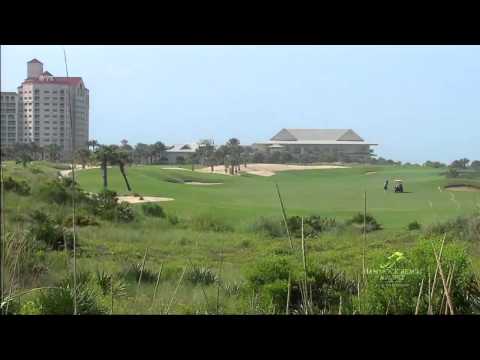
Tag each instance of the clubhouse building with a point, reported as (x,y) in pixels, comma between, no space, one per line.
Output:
(339,144)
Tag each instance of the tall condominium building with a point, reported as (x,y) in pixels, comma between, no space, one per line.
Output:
(51,109)
(8,115)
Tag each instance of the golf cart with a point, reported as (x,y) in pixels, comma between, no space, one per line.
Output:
(398,188)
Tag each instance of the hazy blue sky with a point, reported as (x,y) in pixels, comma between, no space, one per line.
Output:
(417,102)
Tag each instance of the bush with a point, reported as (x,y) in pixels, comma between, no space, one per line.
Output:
(61,166)
(43,228)
(134,271)
(154,210)
(396,284)
(60,191)
(268,226)
(60,301)
(462,227)
(200,275)
(207,222)
(105,204)
(20,187)
(125,212)
(326,285)
(312,225)
(414,225)
(174,180)
(35,170)
(173,219)
(107,284)
(371,222)
(80,220)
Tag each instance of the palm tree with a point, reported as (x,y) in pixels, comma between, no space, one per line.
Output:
(54,151)
(112,155)
(157,150)
(234,150)
(83,156)
(92,144)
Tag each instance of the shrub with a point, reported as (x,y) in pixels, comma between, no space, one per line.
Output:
(325,284)
(125,212)
(268,226)
(173,219)
(107,284)
(35,170)
(154,210)
(414,225)
(80,220)
(396,285)
(312,225)
(60,191)
(371,222)
(134,271)
(207,222)
(105,204)
(44,229)
(60,301)
(20,187)
(462,228)
(200,275)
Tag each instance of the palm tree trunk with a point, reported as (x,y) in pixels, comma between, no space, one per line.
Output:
(104,169)
(122,170)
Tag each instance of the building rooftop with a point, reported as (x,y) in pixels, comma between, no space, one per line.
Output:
(316,136)
(55,80)
(185,148)
(35,61)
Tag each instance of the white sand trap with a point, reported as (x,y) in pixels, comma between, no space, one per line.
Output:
(464,188)
(370,173)
(270,169)
(201,183)
(176,168)
(146,199)
(79,167)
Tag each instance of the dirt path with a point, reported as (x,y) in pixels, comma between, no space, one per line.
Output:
(270,169)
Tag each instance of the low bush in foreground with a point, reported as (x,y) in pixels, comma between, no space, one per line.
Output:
(154,210)
(462,227)
(370,221)
(45,229)
(20,187)
(414,225)
(313,225)
(271,227)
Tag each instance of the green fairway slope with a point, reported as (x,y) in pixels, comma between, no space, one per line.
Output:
(335,192)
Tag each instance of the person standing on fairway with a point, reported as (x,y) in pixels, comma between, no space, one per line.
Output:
(385,186)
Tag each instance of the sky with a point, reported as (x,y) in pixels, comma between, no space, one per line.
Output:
(417,102)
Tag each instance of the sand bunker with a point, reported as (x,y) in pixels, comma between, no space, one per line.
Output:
(201,183)
(176,168)
(65,173)
(370,173)
(270,169)
(146,199)
(465,188)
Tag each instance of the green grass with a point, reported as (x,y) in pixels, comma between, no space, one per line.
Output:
(336,193)
(238,201)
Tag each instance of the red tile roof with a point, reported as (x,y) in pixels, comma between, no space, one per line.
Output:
(72,81)
(35,61)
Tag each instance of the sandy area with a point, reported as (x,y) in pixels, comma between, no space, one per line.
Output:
(79,167)
(270,169)
(201,183)
(146,199)
(463,188)
(370,173)
(176,168)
